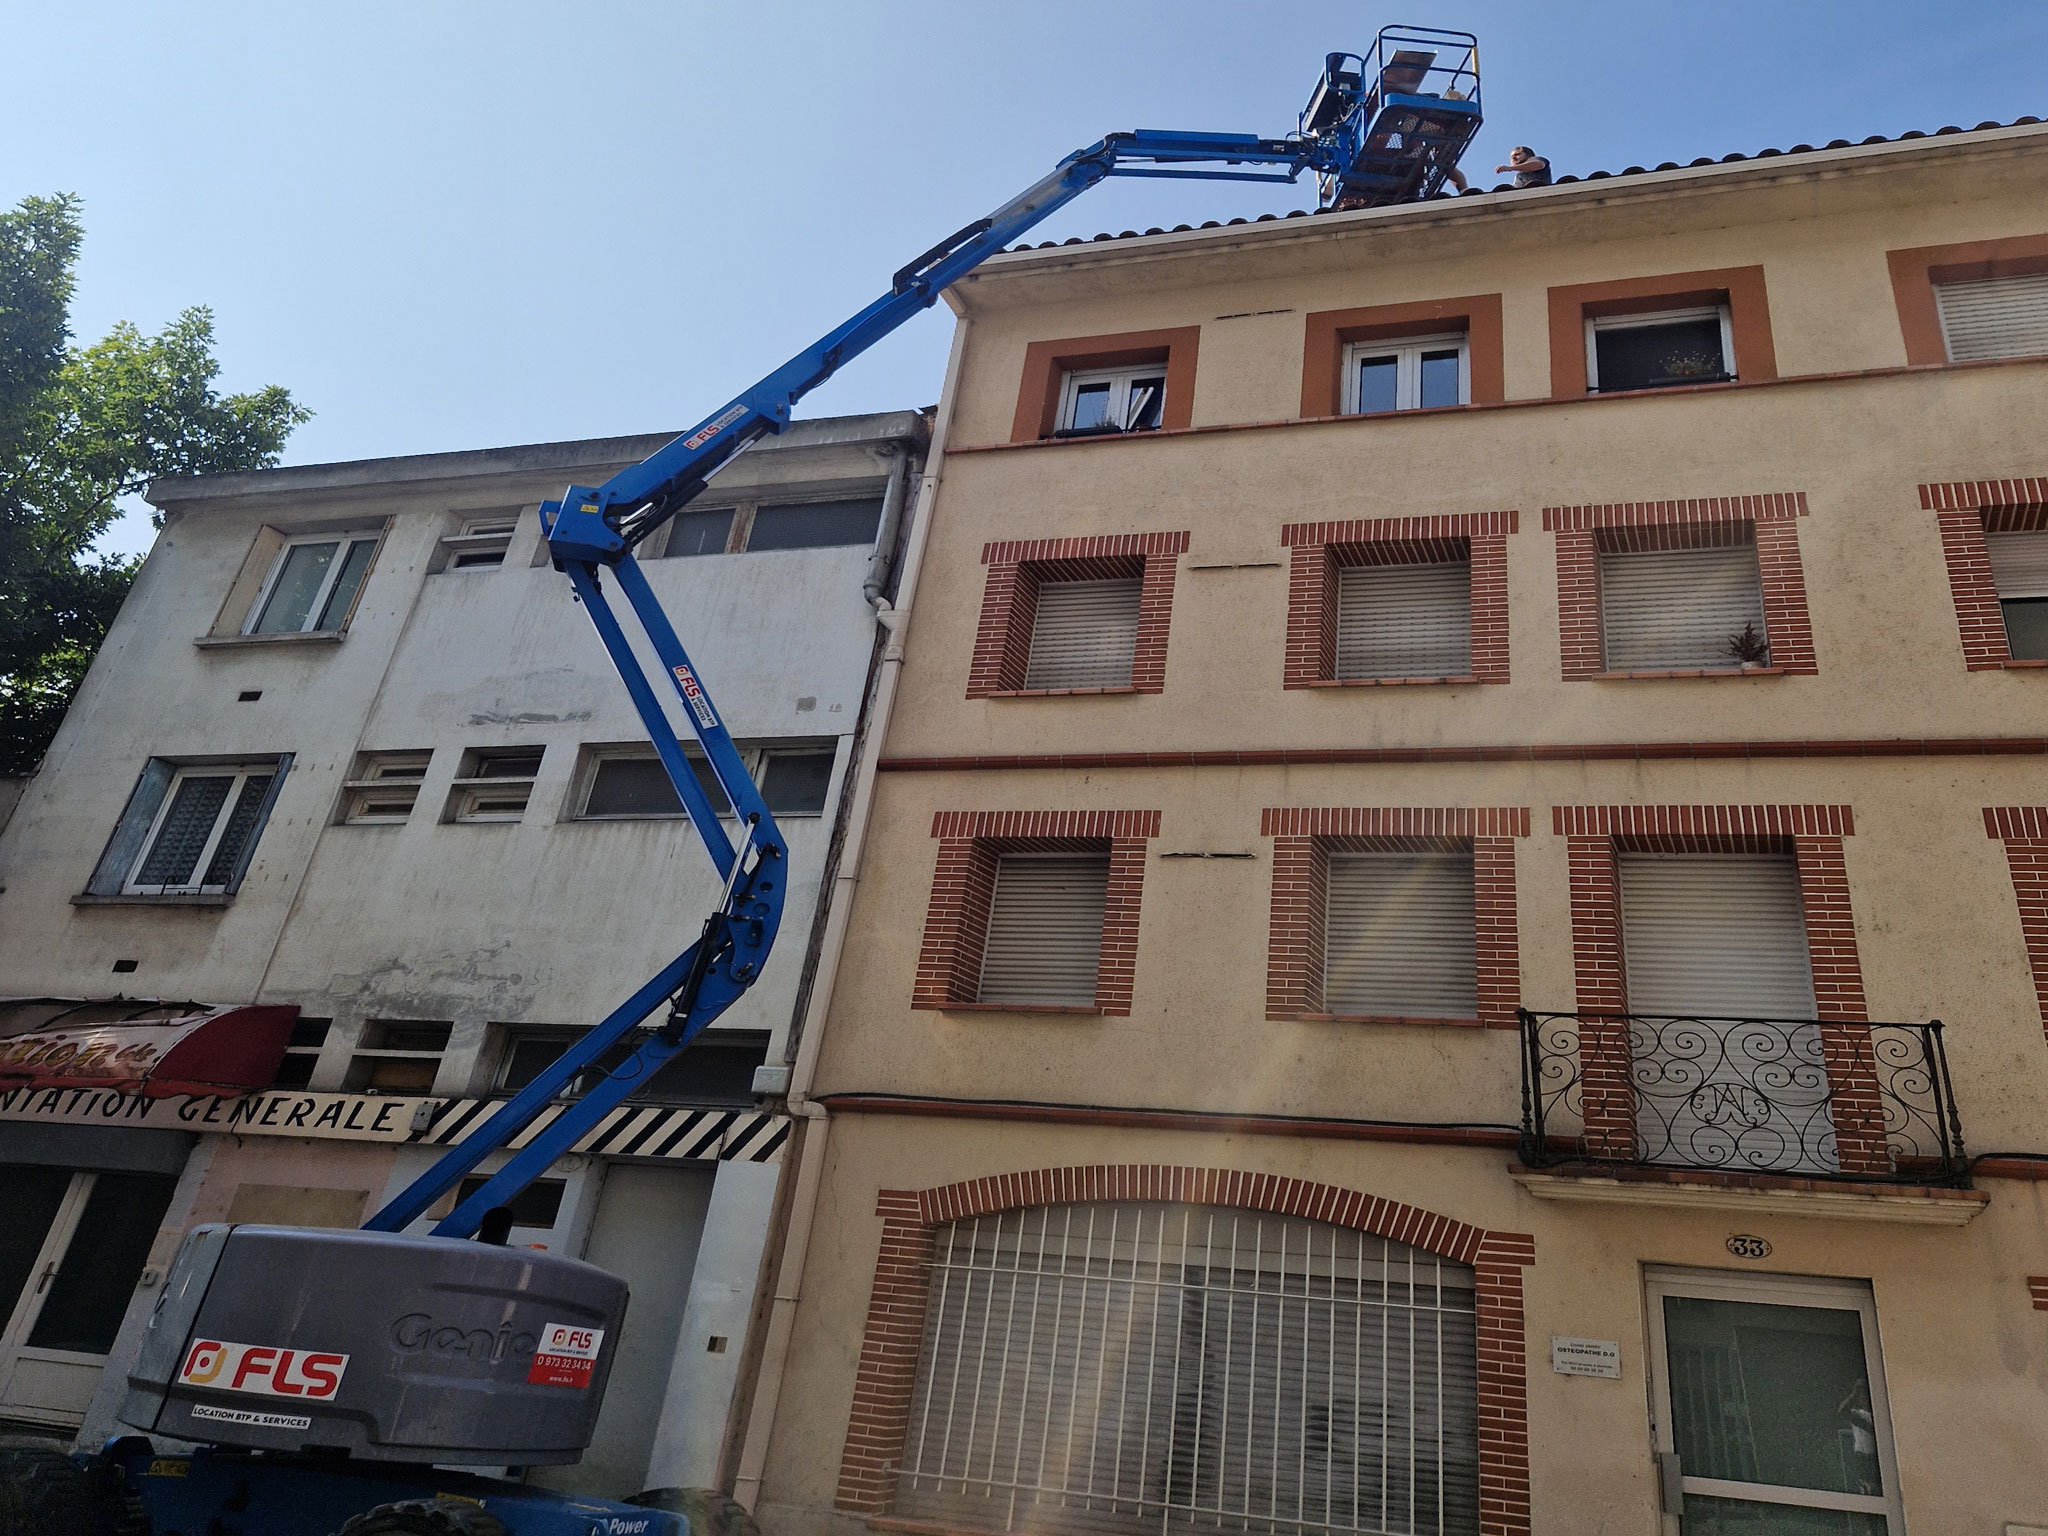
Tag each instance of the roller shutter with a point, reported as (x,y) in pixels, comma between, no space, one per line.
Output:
(1404,621)
(2019,563)
(1668,610)
(1998,317)
(1398,937)
(1084,635)
(1045,930)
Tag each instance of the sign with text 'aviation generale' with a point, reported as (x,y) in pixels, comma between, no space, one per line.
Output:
(346,1116)
(1585,1357)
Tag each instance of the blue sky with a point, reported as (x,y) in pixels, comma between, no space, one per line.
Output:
(451,226)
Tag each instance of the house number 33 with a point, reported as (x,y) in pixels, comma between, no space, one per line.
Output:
(1745,1246)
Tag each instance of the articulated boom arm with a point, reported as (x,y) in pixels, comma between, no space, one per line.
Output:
(594,528)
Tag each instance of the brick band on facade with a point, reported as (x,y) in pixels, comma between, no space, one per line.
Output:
(1009,602)
(1965,511)
(2024,831)
(1305,837)
(885,1380)
(1322,550)
(963,892)
(1584,533)
(1595,836)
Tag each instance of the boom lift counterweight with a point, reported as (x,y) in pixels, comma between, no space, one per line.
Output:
(1382,127)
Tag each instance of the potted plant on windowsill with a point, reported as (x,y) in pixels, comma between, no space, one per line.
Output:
(1749,650)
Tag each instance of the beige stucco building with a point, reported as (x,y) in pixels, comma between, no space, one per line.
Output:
(1617,601)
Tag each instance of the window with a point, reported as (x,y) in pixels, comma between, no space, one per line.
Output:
(1657,351)
(1084,634)
(397,1056)
(384,788)
(1769,1400)
(815,524)
(1397,621)
(1044,943)
(699,532)
(312,585)
(1423,374)
(715,1070)
(623,783)
(495,784)
(1128,1368)
(1994,317)
(1112,400)
(537,1206)
(482,541)
(302,1054)
(2019,570)
(1399,936)
(203,832)
(1664,610)
(1722,938)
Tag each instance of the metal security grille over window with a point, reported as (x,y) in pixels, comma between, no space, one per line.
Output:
(2019,569)
(1114,400)
(1682,609)
(1044,947)
(311,586)
(1141,1367)
(1997,317)
(1396,621)
(1422,374)
(1399,940)
(1084,634)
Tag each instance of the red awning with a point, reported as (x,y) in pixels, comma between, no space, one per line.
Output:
(223,1052)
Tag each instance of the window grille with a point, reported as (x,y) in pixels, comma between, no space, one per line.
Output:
(1128,1367)
(2019,569)
(1997,317)
(1404,621)
(1084,634)
(207,821)
(1044,943)
(1679,609)
(1398,937)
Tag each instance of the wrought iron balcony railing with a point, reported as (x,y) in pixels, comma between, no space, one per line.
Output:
(1821,1099)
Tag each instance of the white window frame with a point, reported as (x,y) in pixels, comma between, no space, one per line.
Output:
(1598,323)
(242,773)
(383,773)
(1408,351)
(1784,1291)
(374,1029)
(1119,381)
(466,791)
(481,536)
(344,543)
(754,755)
(596,757)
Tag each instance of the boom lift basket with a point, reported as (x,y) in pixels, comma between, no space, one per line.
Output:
(1398,116)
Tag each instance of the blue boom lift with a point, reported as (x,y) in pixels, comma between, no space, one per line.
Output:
(321,1368)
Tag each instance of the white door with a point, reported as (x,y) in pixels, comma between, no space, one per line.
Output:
(1768,1394)
(73,1249)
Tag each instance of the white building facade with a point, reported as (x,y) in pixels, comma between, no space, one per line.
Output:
(352,746)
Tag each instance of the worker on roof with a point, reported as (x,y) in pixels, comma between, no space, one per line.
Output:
(1530,168)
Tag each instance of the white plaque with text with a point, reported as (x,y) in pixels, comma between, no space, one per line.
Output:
(1585,1357)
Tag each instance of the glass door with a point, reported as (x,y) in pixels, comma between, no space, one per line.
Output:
(1770,1407)
(70,1256)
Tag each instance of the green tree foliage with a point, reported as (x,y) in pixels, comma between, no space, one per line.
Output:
(81,428)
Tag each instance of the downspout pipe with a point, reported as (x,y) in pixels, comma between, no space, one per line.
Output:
(898,457)
(809,1175)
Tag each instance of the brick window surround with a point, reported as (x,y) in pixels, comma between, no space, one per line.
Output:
(1009,605)
(1331,330)
(886,1379)
(1740,288)
(1321,550)
(1304,839)
(2024,831)
(1812,834)
(1916,271)
(1047,364)
(963,889)
(1584,533)
(1966,510)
